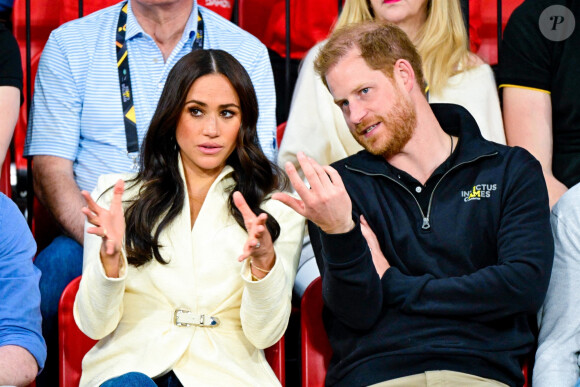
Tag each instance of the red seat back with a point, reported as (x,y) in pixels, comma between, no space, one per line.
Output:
(315,348)
(488,30)
(73,344)
(21,124)
(280,133)
(44,17)
(69,9)
(5,187)
(310,22)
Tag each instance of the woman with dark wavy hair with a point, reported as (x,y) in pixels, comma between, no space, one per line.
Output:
(188,272)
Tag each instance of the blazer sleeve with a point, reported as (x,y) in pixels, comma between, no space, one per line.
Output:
(266,304)
(98,304)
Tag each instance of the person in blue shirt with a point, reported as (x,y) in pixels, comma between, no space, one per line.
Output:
(22,348)
(98,83)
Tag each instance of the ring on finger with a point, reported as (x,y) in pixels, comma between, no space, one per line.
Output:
(257,245)
(104,233)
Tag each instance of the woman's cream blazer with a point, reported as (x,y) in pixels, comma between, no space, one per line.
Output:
(133,316)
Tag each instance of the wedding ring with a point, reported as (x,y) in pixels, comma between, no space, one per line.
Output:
(104,233)
(257,245)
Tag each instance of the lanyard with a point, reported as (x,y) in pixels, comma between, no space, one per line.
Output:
(125,77)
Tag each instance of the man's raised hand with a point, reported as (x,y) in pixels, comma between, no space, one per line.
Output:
(326,203)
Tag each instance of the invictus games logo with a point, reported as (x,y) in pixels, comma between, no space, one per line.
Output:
(557,23)
(478,192)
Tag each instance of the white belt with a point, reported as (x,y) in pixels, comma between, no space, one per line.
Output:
(185,318)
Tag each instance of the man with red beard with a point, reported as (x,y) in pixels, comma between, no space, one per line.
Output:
(434,245)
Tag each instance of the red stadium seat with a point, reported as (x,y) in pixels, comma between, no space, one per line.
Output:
(315,348)
(488,30)
(69,9)
(73,344)
(280,133)
(5,187)
(44,17)
(266,19)
(21,124)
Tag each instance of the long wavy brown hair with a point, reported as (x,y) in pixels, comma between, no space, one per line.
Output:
(162,193)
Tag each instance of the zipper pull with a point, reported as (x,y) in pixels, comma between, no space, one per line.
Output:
(426,225)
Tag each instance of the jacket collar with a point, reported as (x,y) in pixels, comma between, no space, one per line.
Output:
(455,120)
(226,172)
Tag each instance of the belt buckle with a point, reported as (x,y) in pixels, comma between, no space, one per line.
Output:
(185,318)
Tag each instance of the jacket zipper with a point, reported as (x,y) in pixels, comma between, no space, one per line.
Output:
(426,223)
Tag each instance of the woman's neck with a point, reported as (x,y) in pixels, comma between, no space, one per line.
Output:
(197,186)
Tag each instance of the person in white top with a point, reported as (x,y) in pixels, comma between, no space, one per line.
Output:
(454,75)
(188,272)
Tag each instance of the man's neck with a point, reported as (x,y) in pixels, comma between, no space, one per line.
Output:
(163,22)
(428,148)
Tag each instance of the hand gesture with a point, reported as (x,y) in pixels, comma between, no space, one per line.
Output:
(109,225)
(326,203)
(259,244)
(381,263)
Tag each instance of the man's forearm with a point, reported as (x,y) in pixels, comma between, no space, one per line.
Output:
(56,188)
(17,366)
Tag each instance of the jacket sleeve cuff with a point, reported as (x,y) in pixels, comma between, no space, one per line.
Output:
(266,287)
(343,249)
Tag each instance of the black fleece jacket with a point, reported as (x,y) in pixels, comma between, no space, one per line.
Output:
(466,278)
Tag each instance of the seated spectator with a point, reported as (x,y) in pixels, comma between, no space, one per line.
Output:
(434,244)
(557,357)
(538,75)
(164,288)
(22,348)
(10,88)
(454,75)
(82,127)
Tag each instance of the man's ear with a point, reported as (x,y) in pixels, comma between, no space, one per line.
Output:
(404,73)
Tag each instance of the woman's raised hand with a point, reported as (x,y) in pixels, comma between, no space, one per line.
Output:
(259,244)
(109,225)
(379,259)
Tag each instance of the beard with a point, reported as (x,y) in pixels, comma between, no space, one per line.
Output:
(399,126)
